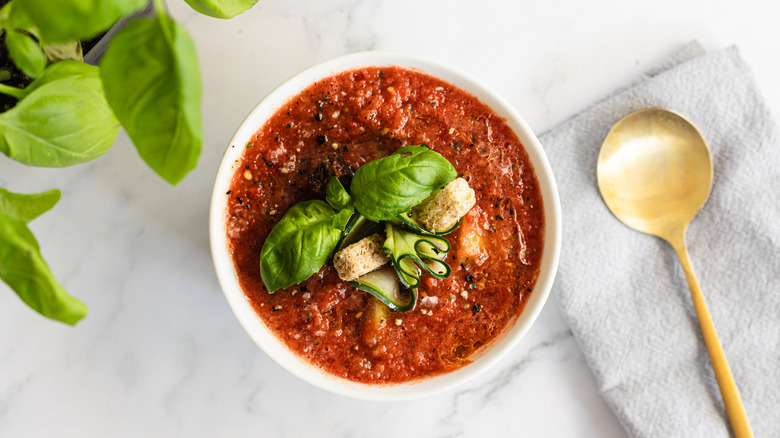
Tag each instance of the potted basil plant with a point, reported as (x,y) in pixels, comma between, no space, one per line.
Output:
(58,111)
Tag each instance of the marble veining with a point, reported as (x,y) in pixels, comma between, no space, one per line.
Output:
(161,354)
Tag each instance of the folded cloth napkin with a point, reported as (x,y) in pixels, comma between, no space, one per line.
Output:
(624,293)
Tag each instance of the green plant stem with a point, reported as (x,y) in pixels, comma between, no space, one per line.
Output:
(159,5)
(12,91)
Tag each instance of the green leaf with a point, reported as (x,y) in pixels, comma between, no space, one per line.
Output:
(64,20)
(336,195)
(384,188)
(27,207)
(299,245)
(5,12)
(152,81)
(221,8)
(25,271)
(25,52)
(63,119)
(22,21)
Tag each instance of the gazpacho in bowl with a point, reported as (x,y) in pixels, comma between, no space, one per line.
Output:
(385,227)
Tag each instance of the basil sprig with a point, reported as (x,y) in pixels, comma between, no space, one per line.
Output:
(151,80)
(299,245)
(21,265)
(386,187)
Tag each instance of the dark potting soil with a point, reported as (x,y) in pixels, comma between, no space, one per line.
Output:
(7,68)
(17,78)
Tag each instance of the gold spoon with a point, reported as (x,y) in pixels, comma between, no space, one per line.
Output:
(654,173)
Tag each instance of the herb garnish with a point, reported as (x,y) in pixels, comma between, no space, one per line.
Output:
(383,190)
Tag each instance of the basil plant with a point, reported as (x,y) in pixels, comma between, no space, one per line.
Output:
(70,112)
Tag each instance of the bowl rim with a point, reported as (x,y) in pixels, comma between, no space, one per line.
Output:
(251,322)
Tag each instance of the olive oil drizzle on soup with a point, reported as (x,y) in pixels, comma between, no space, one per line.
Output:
(363,115)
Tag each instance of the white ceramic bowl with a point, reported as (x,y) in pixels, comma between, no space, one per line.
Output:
(269,343)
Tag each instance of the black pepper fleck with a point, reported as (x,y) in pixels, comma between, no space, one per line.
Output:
(476,308)
(318,117)
(321,139)
(469,277)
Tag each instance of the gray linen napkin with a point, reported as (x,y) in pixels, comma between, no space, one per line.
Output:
(624,293)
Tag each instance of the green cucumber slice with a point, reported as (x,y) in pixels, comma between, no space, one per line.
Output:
(433,251)
(384,285)
(410,220)
(357,228)
(409,251)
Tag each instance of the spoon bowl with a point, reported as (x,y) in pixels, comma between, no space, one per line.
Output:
(654,173)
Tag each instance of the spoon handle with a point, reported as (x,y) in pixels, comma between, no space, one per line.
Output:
(728,389)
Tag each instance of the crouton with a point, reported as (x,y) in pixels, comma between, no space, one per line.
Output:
(445,208)
(360,258)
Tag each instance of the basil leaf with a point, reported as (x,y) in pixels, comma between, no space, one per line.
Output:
(5,12)
(336,195)
(21,21)
(62,119)
(63,20)
(27,207)
(25,53)
(386,187)
(221,8)
(152,81)
(299,245)
(23,268)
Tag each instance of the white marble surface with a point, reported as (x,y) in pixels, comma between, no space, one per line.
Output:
(160,353)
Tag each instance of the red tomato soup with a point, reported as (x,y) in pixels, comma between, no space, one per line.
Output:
(363,115)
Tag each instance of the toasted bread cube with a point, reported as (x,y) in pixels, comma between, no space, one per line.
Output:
(448,206)
(361,257)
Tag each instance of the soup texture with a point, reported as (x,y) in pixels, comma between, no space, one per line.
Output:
(355,117)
